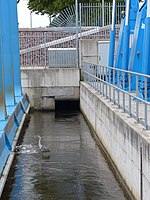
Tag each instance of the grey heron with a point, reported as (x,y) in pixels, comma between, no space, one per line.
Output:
(41,147)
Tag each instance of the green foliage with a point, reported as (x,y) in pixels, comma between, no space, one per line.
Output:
(52,7)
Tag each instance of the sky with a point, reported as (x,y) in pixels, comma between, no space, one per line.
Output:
(26,19)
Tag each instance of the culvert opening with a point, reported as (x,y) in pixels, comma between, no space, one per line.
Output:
(67,105)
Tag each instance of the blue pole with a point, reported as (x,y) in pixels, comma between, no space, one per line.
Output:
(2,93)
(7,53)
(125,58)
(126,38)
(112,37)
(15,47)
(112,44)
(111,48)
(146,56)
(146,52)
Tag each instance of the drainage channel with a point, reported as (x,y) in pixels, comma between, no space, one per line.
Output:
(74,169)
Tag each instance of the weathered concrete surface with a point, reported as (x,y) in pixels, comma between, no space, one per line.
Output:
(45,85)
(88,51)
(126,142)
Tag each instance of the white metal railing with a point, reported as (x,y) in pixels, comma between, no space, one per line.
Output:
(123,88)
(90,14)
(99,14)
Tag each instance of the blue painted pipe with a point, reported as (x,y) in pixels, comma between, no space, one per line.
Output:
(15,47)
(111,48)
(111,56)
(112,44)
(125,58)
(7,53)
(2,92)
(2,88)
(146,60)
(146,57)
(118,61)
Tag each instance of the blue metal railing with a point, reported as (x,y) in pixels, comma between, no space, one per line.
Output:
(10,79)
(112,84)
(13,104)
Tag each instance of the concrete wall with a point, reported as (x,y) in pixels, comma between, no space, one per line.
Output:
(126,142)
(46,85)
(88,51)
(95,51)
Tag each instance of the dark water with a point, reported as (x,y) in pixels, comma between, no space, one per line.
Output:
(74,169)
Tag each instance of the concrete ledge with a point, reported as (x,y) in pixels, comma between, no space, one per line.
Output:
(125,141)
(46,85)
(50,77)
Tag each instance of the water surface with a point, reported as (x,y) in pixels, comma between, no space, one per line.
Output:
(74,169)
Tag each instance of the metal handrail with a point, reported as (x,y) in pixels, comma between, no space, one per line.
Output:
(104,80)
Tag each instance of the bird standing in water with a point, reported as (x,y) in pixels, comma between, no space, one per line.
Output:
(41,147)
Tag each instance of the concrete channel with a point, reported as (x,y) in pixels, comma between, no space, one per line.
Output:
(125,142)
(74,168)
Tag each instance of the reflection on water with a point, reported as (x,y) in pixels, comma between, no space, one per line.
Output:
(74,169)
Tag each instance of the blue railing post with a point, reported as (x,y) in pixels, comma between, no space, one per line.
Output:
(15,47)
(7,53)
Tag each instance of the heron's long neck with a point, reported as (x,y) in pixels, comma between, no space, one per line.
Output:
(40,143)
